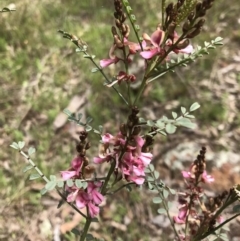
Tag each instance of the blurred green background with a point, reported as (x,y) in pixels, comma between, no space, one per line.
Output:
(40,74)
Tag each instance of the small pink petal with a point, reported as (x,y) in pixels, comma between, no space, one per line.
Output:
(178,220)
(157,37)
(67,174)
(186,174)
(106,138)
(140,141)
(72,196)
(207,178)
(187,50)
(106,62)
(98,160)
(149,53)
(93,210)
(146,158)
(136,179)
(81,201)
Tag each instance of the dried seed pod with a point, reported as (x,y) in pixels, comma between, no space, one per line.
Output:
(118,23)
(169,8)
(114,30)
(180,3)
(200,23)
(198,7)
(194,33)
(183,44)
(186,26)
(191,16)
(137,130)
(171,29)
(117,41)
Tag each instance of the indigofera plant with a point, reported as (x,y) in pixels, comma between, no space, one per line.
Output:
(128,152)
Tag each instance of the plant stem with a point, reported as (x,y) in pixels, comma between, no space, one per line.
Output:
(111,170)
(85,230)
(163,11)
(142,87)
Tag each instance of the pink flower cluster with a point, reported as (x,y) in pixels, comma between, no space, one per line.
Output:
(194,191)
(191,178)
(191,209)
(151,47)
(132,163)
(89,197)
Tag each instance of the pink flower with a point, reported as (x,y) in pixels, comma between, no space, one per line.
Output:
(93,210)
(114,58)
(107,138)
(132,163)
(75,169)
(151,45)
(92,190)
(186,174)
(90,198)
(207,178)
(181,218)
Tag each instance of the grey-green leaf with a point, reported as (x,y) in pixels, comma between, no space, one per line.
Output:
(43,191)
(70,183)
(157,200)
(60,183)
(27,168)
(78,183)
(34,176)
(156,174)
(160,124)
(161,211)
(94,70)
(186,123)
(84,184)
(150,123)
(151,167)
(88,128)
(21,144)
(194,106)
(51,185)
(165,193)
(67,112)
(31,150)
(174,115)
(53,178)
(170,129)
(14,145)
(183,109)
